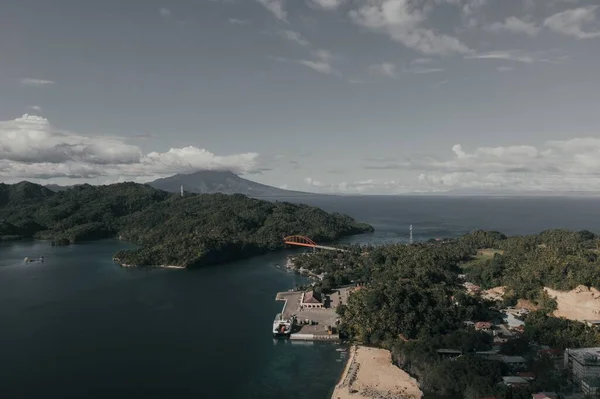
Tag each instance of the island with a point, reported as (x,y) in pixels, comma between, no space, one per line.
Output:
(171,230)
(482,315)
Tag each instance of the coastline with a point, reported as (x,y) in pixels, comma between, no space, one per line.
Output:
(126,265)
(370,373)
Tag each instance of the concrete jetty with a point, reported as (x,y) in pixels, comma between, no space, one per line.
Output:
(316,321)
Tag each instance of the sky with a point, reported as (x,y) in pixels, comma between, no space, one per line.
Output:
(332,96)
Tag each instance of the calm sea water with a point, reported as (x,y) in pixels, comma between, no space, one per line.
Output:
(80,326)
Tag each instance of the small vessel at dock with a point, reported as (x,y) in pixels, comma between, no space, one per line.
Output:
(282,327)
(31,260)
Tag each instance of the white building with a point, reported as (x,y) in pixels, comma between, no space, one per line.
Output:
(584,363)
(514,381)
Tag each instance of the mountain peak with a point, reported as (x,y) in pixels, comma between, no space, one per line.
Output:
(218,181)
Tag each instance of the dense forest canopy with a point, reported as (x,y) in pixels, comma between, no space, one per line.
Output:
(188,231)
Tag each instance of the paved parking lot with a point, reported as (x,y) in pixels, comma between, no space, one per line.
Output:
(323,317)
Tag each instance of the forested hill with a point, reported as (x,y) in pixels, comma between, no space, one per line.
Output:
(195,230)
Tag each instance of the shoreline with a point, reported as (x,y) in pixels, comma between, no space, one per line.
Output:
(128,266)
(370,373)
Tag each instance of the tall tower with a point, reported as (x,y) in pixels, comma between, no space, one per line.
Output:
(182,190)
(411,236)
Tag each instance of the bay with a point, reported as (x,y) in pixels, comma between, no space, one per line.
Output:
(78,325)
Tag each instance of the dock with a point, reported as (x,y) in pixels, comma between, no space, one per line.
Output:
(313,324)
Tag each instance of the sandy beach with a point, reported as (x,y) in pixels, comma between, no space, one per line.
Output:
(370,373)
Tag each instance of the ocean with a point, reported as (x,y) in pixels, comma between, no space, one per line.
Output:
(80,326)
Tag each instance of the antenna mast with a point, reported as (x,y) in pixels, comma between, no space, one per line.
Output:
(411,236)
(182,190)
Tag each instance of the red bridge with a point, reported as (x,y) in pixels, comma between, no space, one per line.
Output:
(303,241)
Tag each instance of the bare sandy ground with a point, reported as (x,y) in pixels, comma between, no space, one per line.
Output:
(526,304)
(494,294)
(370,373)
(581,303)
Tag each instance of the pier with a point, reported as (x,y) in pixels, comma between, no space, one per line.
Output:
(315,321)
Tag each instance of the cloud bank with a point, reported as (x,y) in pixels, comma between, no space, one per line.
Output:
(30,147)
(555,166)
(403,22)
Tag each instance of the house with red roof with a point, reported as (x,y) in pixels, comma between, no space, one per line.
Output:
(312,300)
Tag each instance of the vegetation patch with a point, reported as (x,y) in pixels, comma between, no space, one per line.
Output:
(195,230)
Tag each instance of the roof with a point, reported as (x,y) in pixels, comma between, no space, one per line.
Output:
(450,351)
(483,324)
(544,395)
(586,355)
(550,352)
(492,352)
(513,379)
(513,359)
(312,297)
(526,375)
(591,381)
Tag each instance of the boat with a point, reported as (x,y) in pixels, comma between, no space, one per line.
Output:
(31,260)
(282,327)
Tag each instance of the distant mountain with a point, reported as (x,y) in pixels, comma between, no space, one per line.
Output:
(209,181)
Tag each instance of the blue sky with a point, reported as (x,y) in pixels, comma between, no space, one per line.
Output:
(352,96)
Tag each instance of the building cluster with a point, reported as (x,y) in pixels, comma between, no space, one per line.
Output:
(584,366)
(581,366)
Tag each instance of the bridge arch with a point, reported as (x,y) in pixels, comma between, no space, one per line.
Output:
(299,240)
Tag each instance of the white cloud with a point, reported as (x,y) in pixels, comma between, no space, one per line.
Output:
(515,25)
(425,70)
(276,7)
(323,55)
(30,147)
(557,2)
(322,63)
(311,182)
(383,69)
(36,82)
(164,12)
(294,37)
(510,55)
(319,66)
(327,4)
(31,139)
(571,22)
(421,60)
(504,69)
(402,21)
(470,6)
(236,21)
(556,165)
(367,186)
